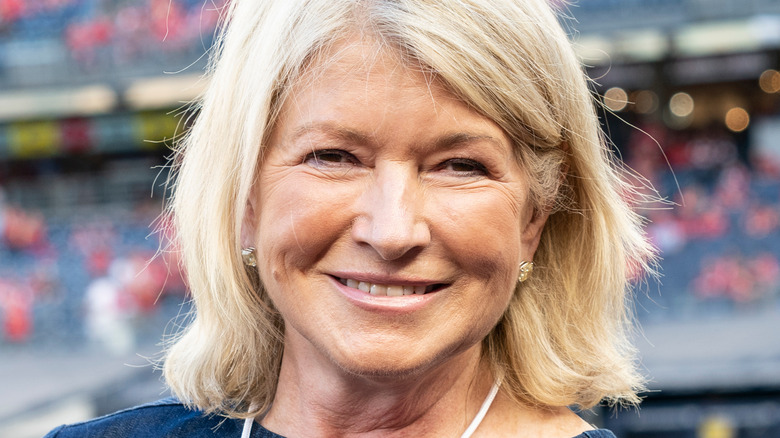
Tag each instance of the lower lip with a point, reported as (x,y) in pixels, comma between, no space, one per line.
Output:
(384,304)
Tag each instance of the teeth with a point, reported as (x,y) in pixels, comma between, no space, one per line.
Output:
(384,289)
(378,289)
(395,291)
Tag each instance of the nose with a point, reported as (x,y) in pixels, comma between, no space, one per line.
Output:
(390,216)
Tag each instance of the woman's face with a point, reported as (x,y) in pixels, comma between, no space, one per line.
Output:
(389,218)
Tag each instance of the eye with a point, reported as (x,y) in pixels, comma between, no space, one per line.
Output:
(330,157)
(464,167)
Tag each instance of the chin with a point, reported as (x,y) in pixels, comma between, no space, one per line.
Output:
(375,370)
(392,364)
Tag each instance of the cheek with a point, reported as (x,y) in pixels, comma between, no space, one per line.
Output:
(298,223)
(482,230)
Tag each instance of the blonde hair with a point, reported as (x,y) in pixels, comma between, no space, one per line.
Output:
(564,337)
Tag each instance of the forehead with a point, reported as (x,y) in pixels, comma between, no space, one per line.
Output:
(367,61)
(367,80)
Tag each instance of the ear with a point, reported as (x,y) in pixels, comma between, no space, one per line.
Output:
(532,231)
(249,222)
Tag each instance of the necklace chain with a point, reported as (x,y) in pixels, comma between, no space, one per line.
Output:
(482,410)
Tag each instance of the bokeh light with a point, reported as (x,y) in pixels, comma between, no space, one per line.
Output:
(681,105)
(645,102)
(616,99)
(770,81)
(737,119)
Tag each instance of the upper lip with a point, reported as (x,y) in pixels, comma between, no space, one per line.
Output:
(386,279)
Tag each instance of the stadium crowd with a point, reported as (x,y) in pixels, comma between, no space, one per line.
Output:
(94,36)
(720,241)
(102,279)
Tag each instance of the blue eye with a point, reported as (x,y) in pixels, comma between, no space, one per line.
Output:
(329,157)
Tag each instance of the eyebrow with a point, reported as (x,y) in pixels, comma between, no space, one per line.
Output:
(349,135)
(458,138)
(447,141)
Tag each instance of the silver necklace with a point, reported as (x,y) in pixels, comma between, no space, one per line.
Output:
(467,434)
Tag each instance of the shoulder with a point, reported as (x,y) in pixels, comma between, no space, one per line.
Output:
(596,433)
(164,418)
(512,419)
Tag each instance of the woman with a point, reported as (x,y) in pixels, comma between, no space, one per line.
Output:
(398,218)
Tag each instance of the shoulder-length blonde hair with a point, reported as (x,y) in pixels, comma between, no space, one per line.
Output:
(564,337)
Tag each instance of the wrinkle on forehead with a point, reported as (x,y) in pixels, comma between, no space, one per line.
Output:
(373,50)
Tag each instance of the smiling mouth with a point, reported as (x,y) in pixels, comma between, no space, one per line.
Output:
(390,290)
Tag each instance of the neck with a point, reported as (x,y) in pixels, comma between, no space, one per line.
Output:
(315,398)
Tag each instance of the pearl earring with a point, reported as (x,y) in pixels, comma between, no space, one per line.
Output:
(525,271)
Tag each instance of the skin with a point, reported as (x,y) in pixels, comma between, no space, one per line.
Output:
(377,173)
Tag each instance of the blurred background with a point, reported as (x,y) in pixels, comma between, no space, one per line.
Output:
(92,92)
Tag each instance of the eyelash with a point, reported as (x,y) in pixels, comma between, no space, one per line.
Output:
(477,168)
(315,158)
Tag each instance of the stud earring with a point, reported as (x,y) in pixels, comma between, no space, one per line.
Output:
(248,255)
(525,271)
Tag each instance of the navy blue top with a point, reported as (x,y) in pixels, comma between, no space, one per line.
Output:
(169,418)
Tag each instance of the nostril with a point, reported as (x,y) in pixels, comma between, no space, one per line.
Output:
(390,242)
